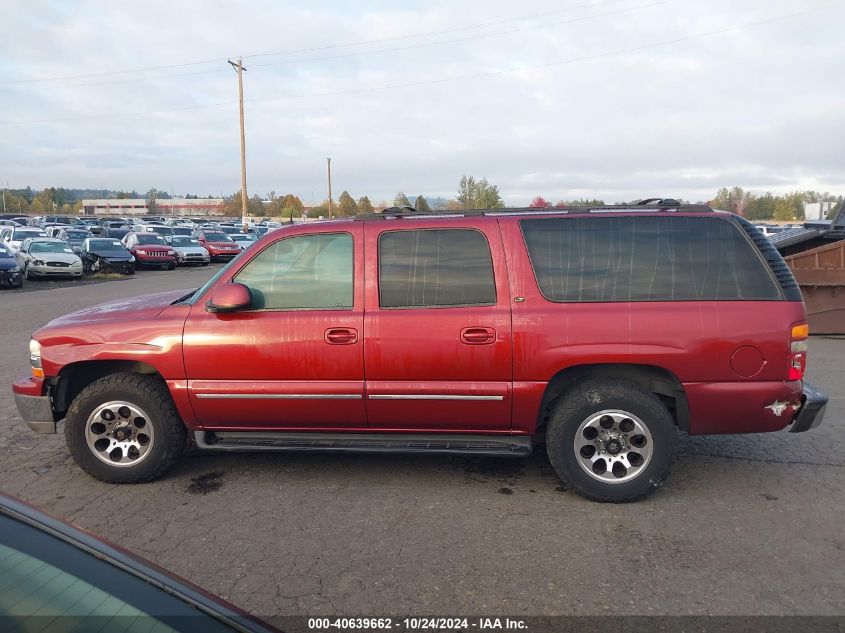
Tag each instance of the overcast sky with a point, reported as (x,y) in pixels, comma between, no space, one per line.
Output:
(616,99)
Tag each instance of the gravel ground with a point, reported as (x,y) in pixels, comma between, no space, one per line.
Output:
(745,525)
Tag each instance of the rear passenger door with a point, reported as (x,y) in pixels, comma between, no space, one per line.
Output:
(437,344)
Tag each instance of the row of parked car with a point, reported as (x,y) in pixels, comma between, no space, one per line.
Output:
(48,248)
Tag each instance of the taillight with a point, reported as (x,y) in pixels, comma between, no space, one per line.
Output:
(798,351)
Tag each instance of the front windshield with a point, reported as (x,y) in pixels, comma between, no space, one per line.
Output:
(215,236)
(106,245)
(76,235)
(182,230)
(49,247)
(185,241)
(4,252)
(162,230)
(150,238)
(241,238)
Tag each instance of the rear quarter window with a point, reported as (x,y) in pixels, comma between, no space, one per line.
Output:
(614,259)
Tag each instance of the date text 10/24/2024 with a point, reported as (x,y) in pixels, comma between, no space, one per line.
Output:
(417,624)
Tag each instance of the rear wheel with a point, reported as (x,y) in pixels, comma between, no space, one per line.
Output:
(611,440)
(124,428)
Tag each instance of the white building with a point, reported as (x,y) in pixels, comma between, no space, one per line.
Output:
(817,210)
(138,206)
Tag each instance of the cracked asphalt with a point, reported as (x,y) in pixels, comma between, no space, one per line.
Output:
(747,524)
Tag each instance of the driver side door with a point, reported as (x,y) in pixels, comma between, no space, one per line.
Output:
(294,360)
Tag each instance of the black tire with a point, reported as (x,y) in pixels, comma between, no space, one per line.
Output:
(205,263)
(594,396)
(151,394)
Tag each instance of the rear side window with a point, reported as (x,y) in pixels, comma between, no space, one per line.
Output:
(308,272)
(645,259)
(434,268)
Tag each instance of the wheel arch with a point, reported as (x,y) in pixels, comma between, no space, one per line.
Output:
(74,377)
(659,381)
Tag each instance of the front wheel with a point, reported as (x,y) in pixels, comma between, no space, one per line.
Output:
(124,428)
(611,440)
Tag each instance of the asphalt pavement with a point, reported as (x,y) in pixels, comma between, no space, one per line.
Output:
(748,524)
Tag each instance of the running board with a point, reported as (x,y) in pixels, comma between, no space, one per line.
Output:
(502,445)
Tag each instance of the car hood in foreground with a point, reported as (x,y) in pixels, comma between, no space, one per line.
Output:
(141,307)
(7,263)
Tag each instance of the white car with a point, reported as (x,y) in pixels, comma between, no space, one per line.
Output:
(47,257)
(243,240)
(189,251)
(13,236)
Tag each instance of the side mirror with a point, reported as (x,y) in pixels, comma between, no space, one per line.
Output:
(229,298)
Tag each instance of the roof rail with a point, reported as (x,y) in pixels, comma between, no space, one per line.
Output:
(663,206)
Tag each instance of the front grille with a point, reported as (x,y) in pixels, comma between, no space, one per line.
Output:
(58,264)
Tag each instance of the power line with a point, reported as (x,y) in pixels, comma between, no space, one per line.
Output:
(304,50)
(379,51)
(491,73)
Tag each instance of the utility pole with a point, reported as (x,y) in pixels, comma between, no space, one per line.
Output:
(329,164)
(239,67)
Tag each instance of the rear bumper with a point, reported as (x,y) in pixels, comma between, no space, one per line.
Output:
(811,413)
(34,407)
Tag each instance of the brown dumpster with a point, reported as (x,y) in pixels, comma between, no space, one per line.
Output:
(821,274)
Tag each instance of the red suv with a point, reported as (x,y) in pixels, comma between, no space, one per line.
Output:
(150,249)
(597,331)
(219,245)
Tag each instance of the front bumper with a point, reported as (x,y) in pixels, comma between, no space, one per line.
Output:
(11,279)
(34,407)
(811,413)
(56,271)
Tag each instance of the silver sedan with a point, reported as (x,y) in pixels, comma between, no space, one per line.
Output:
(47,257)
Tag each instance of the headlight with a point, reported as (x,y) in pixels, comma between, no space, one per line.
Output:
(38,262)
(171,252)
(131,258)
(35,358)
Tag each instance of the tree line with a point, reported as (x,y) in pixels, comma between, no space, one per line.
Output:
(768,206)
(472,193)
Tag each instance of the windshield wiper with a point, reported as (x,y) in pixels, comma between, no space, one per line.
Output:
(186,297)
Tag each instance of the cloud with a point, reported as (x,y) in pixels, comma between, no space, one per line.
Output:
(758,107)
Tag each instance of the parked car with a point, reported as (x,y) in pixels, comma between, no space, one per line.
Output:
(11,223)
(47,257)
(101,254)
(219,245)
(52,230)
(150,249)
(59,219)
(74,236)
(54,573)
(243,240)
(165,231)
(603,330)
(183,230)
(189,251)
(10,272)
(13,236)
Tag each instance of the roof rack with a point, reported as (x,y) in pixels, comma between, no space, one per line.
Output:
(650,205)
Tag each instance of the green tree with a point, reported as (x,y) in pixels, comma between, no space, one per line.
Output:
(467,192)
(487,196)
(401,200)
(346,204)
(734,199)
(421,204)
(760,207)
(784,211)
(364,205)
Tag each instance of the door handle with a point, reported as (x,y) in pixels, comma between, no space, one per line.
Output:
(478,335)
(341,336)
